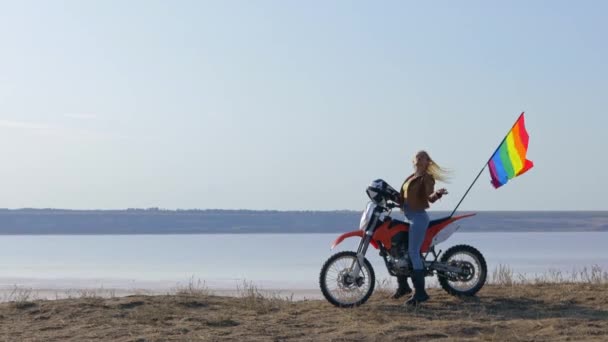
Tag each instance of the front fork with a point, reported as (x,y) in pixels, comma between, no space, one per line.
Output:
(357,265)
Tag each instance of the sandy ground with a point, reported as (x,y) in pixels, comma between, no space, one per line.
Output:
(550,312)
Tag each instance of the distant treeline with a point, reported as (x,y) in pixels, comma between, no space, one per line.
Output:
(159,221)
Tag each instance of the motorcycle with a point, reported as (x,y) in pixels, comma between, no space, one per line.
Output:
(347,278)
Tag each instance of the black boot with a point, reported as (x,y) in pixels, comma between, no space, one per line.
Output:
(404,287)
(420,295)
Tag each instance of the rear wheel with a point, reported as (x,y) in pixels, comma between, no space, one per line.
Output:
(472,271)
(337,285)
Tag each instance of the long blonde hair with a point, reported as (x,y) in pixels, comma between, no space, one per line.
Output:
(439,173)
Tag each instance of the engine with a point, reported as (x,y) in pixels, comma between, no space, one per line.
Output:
(399,259)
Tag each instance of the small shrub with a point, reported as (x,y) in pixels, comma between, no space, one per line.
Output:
(20,298)
(196,288)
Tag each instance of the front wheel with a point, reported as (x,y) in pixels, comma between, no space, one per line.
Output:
(472,271)
(339,287)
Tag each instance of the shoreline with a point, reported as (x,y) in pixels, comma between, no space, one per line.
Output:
(336,233)
(8,295)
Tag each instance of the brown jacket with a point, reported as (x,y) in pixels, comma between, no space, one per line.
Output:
(420,192)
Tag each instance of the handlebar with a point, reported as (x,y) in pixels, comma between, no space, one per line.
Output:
(393,205)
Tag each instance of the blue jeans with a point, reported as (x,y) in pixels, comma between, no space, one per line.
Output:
(419,223)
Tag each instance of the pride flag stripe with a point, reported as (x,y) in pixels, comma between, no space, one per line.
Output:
(514,153)
(497,170)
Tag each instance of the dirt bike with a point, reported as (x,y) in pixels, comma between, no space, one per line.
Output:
(347,278)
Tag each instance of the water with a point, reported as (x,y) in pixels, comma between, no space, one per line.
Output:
(273,261)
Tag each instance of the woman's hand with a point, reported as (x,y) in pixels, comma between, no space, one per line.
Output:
(442,192)
(437,195)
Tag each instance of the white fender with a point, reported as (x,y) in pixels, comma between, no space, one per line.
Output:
(444,234)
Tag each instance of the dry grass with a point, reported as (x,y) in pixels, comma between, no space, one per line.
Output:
(253,298)
(194,288)
(554,306)
(384,288)
(504,275)
(532,312)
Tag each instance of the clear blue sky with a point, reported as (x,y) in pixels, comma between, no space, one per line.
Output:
(297,104)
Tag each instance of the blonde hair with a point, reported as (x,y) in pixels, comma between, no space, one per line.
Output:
(439,173)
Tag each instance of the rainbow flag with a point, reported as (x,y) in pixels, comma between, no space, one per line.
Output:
(509,160)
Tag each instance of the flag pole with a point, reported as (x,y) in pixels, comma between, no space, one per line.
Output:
(486,164)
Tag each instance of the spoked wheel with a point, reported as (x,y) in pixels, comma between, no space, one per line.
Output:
(472,271)
(339,287)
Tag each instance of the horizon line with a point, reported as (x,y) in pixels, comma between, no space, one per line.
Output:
(290,210)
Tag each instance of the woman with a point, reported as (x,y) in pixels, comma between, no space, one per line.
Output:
(416,193)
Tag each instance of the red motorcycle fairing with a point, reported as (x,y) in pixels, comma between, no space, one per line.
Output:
(344,236)
(389,228)
(438,226)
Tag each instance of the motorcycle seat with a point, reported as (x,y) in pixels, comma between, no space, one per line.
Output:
(395,222)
